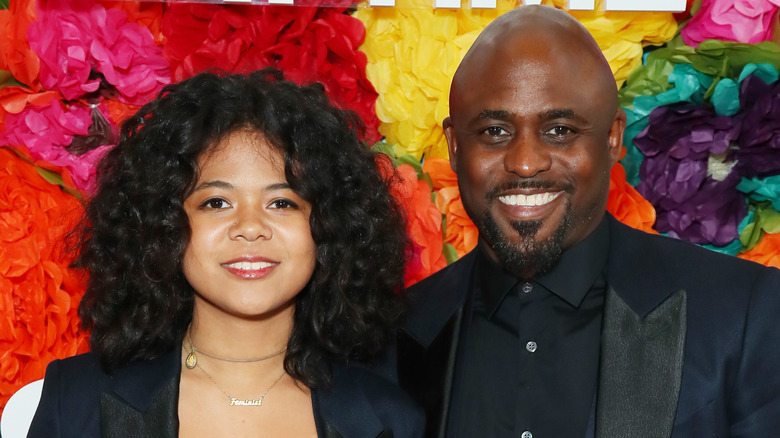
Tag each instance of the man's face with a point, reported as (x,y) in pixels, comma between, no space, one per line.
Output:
(532,137)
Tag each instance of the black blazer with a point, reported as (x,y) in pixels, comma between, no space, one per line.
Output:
(141,400)
(689,344)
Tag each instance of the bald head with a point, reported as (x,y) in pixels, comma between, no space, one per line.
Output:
(529,34)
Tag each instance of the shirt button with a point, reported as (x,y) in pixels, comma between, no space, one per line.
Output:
(531,347)
(527,434)
(527,288)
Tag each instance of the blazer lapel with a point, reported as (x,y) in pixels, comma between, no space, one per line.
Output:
(428,345)
(641,368)
(144,401)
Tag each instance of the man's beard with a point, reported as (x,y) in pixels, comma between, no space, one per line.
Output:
(529,256)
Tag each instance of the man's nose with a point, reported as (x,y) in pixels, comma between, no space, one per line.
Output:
(527,156)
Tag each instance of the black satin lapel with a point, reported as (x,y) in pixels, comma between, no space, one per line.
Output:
(330,432)
(120,420)
(641,368)
(427,374)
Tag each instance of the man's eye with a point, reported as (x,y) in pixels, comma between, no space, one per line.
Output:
(495,131)
(283,203)
(560,131)
(215,203)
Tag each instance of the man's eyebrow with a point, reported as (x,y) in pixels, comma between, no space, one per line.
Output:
(494,114)
(563,113)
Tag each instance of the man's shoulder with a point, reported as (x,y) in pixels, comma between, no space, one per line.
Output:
(444,279)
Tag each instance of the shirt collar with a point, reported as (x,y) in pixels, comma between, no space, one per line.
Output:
(570,279)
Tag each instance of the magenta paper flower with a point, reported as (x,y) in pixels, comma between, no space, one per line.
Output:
(80,44)
(685,176)
(48,130)
(747,21)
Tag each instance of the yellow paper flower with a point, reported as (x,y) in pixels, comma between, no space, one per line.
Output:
(413,51)
(622,34)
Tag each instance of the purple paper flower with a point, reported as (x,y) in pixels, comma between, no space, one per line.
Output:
(81,44)
(685,176)
(758,154)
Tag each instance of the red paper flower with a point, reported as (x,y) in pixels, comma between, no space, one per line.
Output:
(38,321)
(81,44)
(307,43)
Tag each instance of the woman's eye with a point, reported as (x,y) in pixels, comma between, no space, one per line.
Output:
(215,203)
(283,203)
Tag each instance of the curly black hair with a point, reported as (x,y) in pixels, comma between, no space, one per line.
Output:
(138,303)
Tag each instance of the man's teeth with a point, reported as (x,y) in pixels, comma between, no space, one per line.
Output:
(249,266)
(529,200)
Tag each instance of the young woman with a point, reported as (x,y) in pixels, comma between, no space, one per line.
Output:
(244,255)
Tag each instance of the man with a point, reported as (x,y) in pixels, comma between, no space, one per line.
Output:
(564,322)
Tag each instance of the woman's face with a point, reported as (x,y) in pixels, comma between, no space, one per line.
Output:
(251,250)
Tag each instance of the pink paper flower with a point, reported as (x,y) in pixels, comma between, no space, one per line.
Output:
(48,130)
(747,21)
(81,44)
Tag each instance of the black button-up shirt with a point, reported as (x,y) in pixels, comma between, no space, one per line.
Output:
(529,364)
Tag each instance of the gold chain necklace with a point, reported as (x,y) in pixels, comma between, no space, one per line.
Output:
(233,400)
(192,358)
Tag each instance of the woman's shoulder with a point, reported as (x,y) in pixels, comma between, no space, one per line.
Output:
(361,403)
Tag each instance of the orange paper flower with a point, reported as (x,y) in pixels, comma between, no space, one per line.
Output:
(15,53)
(38,293)
(627,205)
(766,252)
(423,221)
(461,232)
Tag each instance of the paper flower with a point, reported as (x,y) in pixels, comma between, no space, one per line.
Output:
(758,154)
(423,224)
(38,320)
(766,252)
(15,53)
(622,35)
(47,131)
(747,21)
(307,43)
(684,174)
(83,46)
(461,232)
(627,205)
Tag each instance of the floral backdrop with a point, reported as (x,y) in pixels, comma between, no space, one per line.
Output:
(701,90)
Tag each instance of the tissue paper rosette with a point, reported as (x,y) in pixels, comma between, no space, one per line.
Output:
(85,48)
(685,176)
(460,231)
(747,21)
(15,53)
(627,204)
(38,293)
(423,220)
(621,35)
(47,128)
(758,154)
(307,43)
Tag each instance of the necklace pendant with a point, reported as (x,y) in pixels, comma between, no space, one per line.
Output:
(249,402)
(191,361)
